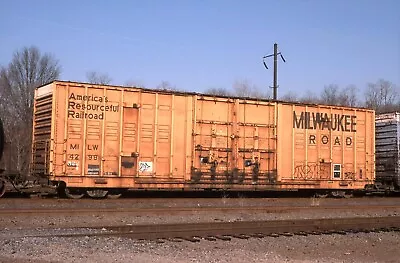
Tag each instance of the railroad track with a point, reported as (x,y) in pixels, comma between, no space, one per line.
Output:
(196,232)
(177,210)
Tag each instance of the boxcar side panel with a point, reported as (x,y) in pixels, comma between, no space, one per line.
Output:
(234,144)
(212,145)
(60,164)
(164,136)
(147,135)
(180,138)
(110,144)
(187,121)
(325,147)
(257,140)
(107,137)
(115,137)
(130,134)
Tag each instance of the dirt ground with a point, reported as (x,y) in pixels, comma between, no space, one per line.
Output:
(19,244)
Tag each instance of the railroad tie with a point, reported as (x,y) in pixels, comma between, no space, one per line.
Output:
(224,238)
(175,239)
(160,240)
(241,236)
(377,230)
(257,235)
(192,239)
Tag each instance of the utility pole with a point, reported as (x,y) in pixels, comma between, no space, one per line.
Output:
(275,87)
(275,55)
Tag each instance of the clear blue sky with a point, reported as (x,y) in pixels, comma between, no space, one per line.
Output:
(211,43)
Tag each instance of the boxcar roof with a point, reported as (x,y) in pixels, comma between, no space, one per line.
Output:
(191,93)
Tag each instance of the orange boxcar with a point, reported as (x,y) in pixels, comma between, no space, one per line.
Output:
(98,139)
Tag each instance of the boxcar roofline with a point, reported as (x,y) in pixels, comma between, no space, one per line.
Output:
(183,93)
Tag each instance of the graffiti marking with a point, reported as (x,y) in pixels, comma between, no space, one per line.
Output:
(145,166)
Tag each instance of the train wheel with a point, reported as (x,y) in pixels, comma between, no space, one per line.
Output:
(73,194)
(114,196)
(338,194)
(349,195)
(115,193)
(2,187)
(97,193)
(321,194)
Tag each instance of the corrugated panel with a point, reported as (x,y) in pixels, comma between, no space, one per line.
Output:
(42,134)
(387,130)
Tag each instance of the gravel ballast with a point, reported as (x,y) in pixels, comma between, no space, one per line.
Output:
(19,241)
(360,247)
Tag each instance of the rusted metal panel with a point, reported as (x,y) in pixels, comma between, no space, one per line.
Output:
(133,138)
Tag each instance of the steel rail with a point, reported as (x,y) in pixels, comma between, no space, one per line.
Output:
(259,209)
(241,229)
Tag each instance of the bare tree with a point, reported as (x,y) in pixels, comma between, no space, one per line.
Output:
(165,85)
(330,95)
(218,91)
(98,78)
(134,83)
(348,96)
(310,97)
(245,89)
(381,96)
(290,96)
(27,70)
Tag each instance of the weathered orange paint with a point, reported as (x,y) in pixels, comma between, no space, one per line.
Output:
(116,137)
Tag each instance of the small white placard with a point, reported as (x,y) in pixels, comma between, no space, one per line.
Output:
(145,167)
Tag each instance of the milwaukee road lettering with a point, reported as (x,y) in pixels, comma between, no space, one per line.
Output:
(324,121)
(89,106)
